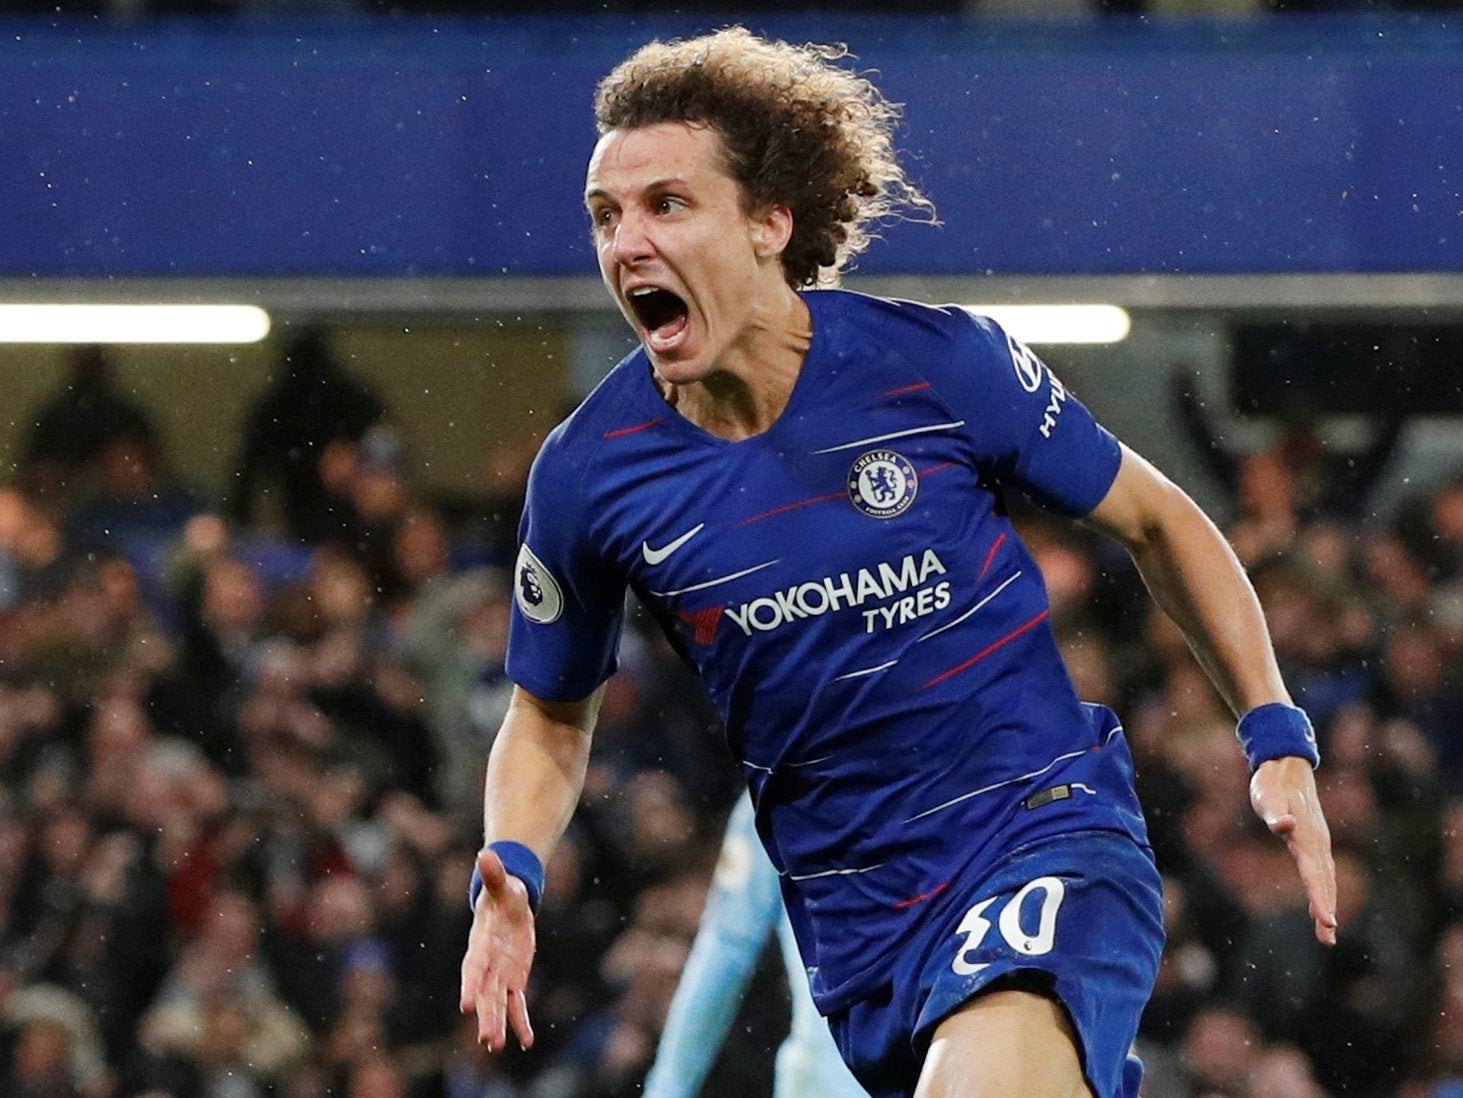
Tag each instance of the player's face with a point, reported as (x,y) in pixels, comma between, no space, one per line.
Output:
(691,270)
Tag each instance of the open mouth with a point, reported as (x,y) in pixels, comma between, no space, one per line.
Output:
(662,313)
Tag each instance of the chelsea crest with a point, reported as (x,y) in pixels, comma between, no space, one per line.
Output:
(882,483)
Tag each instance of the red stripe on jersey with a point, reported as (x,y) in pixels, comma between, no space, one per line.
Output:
(905,389)
(621,432)
(703,623)
(922,897)
(987,650)
(786,507)
(989,557)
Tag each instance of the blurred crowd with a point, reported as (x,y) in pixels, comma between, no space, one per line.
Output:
(242,742)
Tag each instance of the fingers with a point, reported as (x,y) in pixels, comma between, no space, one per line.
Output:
(1310,846)
(1323,910)
(474,964)
(1318,875)
(492,1029)
(471,977)
(485,999)
(485,994)
(518,1016)
(482,994)
(1325,928)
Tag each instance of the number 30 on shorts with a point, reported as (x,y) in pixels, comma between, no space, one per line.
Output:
(1027,942)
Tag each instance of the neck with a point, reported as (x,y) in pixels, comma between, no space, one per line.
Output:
(753,382)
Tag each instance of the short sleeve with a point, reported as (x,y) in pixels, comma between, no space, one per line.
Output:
(1028,426)
(568,605)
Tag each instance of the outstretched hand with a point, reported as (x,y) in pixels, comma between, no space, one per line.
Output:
(500,950)
(1283,793)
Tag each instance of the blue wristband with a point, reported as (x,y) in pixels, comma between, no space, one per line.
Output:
(1277,731)
(520,862)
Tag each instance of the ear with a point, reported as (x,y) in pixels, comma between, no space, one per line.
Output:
(771,230)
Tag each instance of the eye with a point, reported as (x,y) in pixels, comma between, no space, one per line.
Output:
(669,204)
(602,217)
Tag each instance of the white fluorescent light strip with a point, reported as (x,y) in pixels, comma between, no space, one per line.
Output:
(1060,323)
(132,324)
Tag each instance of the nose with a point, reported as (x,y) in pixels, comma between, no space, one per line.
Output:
(631,241)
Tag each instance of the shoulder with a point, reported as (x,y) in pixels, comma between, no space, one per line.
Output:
(892,316)
(931,335)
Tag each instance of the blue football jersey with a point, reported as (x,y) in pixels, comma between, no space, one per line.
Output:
(865,619)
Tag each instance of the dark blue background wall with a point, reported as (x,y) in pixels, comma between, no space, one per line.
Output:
(456,147)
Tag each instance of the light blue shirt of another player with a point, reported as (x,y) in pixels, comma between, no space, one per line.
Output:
(744,905)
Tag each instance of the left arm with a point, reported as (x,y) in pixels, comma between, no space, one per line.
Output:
(1194,575)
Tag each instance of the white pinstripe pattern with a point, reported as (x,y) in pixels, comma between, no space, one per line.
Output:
(865,671)
(833,873)
(1009,781)
(786,766)
(886,438)
(948,625)
(952,624)
(716,582)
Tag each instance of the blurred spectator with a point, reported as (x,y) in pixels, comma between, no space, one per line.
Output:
(221,608)
(486,521)
(71,431)
(454,640)
(30,549)
(1188,973)
(1283,1071)
(95,479)
(310,404)
(1398,581)
(470,1071)
(1415,686)
(315,957)
(1302,476)
(136,506)
(1431,526)
(1220,1050)
(218,1009)
(1323,632)
(54,1052)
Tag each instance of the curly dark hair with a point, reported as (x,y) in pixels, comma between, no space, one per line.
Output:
(799,131)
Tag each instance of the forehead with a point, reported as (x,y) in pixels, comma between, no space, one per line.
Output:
(625,161)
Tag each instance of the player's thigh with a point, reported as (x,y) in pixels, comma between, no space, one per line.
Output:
(1076,925)
(1004,1044)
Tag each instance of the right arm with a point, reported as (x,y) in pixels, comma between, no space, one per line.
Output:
(563,636)
(536,769)
(535,774)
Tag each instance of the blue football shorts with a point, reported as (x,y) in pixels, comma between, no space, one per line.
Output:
(1078,917)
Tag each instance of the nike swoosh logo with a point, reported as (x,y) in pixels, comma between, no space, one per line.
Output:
(656,556)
